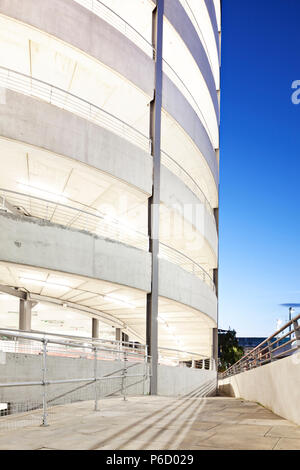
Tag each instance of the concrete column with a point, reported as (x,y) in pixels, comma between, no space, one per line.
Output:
(118,334)
(95,328)
(25,307)
(154,200)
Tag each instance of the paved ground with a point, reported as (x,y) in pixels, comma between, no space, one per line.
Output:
(154,423)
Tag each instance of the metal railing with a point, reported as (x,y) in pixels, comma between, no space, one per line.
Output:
(186,263)
(96,223)
(178,357)
(115,20)
(92,221)
(41,371)
(180,84)
(188,180)
(283,343)
(28,85)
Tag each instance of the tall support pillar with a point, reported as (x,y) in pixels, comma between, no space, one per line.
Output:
(95,328)
(25,307)
(154,200)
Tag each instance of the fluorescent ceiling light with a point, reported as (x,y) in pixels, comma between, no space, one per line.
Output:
(43,283)
(118,301)
(43,193)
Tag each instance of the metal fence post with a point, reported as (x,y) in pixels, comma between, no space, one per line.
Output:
(145,376)
(95,378)
(297,332)
(44,384)
(270,351)
(124,376)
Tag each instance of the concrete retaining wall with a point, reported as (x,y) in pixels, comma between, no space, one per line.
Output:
(179,381)
(275,386)
(28,367)
(172,381)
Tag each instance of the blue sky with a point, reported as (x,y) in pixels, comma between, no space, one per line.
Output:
(260,166)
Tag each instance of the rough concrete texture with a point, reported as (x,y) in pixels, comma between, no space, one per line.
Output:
(36,242)
(154,423)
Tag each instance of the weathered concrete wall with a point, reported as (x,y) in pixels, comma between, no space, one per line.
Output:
(43,125)
(178,381)
(275,386)
(35,242)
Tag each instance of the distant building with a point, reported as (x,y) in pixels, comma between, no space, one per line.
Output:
(252,342)
(249,343)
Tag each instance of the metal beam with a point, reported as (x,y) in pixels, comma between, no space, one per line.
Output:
(9,207)
(154,200)
(13,291)
(13,209)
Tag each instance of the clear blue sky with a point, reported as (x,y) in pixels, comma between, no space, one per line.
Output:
(260,164)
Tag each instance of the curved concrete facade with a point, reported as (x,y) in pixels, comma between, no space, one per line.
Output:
(75,25)
(175,13)
(51,212)
(177,284)
(37,243)
(48,127)
(101,41)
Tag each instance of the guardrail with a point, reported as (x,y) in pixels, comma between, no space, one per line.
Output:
(39,363)
(180,358)
(188,180)
(94,222)
(283,343)
(115,20)
(41,371)
(186,263)
(44,91)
